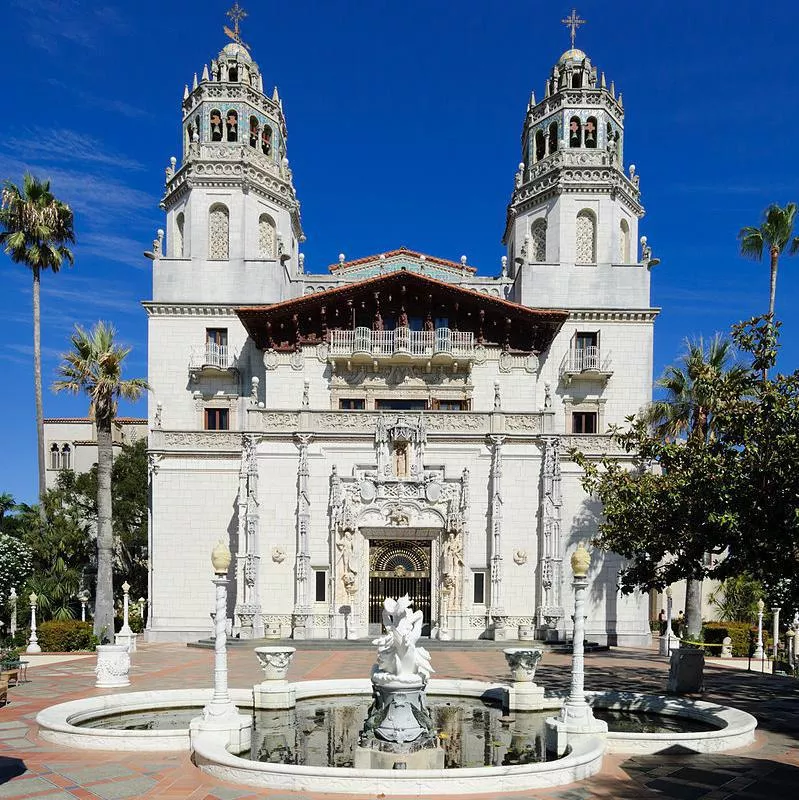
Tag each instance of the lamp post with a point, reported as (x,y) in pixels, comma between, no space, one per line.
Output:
(33,643)
(142,602)
(776,620)
(759,649)
(668,641)
(576,719)
(126,636)
(83,596)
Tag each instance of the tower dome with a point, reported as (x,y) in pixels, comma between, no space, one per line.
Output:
(572,54)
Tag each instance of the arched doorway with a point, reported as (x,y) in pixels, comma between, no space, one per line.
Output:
(398,567)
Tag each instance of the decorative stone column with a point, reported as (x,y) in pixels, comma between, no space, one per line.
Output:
(142,602)
(33,642)
(248,602)
(576,719)
(302,609)
(126,636)
(759,654)
(668,640)
(274,691)
(776,631)
(83,596)
(220,718)
(550,612)
(496,609)
(12,599)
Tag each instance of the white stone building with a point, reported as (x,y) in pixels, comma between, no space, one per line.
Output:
(401,423)
(71,442)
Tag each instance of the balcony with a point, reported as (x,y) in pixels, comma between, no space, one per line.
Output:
(441,346)
(586,363)
(210,358)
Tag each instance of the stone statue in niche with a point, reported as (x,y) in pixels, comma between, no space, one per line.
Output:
(452,553)
(346,546)
(216,126)
(401,459)
(232,126)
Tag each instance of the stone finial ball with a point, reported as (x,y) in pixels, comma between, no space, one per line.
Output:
(580,561)
(221,557)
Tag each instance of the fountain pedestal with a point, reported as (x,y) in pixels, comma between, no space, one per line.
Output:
(399,729)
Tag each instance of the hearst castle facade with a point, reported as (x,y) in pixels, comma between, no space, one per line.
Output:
(400,423)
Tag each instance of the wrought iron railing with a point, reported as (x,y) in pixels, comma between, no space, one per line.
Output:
(585,359)
(213,355)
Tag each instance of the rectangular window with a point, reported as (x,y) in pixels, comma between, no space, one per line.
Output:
(584,421)
(451,405)
(320,585)
(217,336)
(479,588)
(583,340)
(400,404)
(217,419)
(352,403)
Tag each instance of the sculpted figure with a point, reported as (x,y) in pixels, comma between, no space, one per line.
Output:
(398,657)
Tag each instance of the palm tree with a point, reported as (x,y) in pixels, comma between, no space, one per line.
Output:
(36,230)
(693,392)
(94,366)
(775,234)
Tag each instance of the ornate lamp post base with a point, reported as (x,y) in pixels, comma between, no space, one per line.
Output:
(575,721)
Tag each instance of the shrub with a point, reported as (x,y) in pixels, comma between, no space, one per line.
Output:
(59,636)
(741,634)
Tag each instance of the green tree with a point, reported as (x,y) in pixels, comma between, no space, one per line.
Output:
(15,556)
(774,235)
(36,231)
(694,388)
(736,599)
(94,366)
(129,490)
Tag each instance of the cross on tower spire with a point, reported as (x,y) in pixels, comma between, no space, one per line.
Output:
(573,22)
(236,14)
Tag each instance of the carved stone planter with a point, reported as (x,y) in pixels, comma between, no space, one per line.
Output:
(113,666)
(275,661)
(523,662)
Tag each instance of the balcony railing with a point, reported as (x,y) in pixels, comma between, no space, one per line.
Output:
(588,361)
(402,341)
(211,356)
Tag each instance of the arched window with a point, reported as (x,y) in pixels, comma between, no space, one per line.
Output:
(577,79)
(55,457)
(624,242)
(591,132)
(553,138)
(189,134)
(585,238)
(179,223)
(266,140)
(266,236)
(218,232)
(538,240)
(216,125)
(575,132)
(254,131)
(66,457)
(540,145)
(233,73)
(232,125)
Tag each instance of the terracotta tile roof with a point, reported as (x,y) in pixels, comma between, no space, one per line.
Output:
(403,251)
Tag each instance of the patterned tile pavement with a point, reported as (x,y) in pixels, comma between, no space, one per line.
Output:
(32,768)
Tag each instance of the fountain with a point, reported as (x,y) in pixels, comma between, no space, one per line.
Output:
(399,732)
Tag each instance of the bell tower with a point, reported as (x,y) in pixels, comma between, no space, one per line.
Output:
(233,219)
(573,217)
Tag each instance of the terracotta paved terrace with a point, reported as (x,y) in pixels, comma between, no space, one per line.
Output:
(32,768)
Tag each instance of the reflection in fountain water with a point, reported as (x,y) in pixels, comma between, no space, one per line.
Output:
(641,722)
(324,732)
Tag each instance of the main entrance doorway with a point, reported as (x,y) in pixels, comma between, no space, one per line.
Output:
(397,568)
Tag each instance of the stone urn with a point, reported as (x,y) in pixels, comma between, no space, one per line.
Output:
(275,661)
(522,662)
(113,666)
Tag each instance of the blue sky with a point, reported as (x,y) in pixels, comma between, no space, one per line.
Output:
(404,123)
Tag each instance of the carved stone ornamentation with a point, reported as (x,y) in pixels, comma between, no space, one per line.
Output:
(113,666)
(520,557)
(278,555)
(275,661)
(522,662)
(271,359)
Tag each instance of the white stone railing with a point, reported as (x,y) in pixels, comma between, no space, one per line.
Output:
(419,344)
(217,356)
(586,359)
